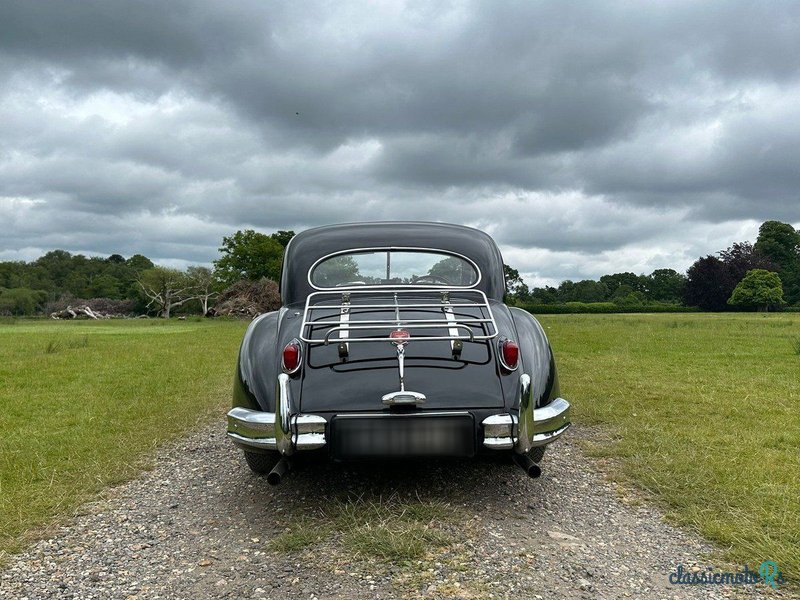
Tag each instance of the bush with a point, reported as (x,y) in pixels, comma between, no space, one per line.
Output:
(21,301)
(604,308)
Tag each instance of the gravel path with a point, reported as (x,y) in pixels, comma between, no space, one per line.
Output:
(198,526)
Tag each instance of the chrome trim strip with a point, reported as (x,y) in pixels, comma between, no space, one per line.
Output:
(451,318)
(471,336)
(260,443)
(444,413)
(525,419)
(344,319)
(438,322)
(395,249)
(283,407)
(542,439)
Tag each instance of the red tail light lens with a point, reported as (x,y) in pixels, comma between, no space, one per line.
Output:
(292,356)
(509,354)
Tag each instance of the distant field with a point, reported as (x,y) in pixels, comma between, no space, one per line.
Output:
(704,411)
(82,402)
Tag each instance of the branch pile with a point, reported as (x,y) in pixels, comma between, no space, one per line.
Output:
(248,299)
(68,307)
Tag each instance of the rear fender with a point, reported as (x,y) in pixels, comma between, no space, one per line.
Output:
(536,357)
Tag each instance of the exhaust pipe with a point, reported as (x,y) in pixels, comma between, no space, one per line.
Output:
(526,464)
(282,467)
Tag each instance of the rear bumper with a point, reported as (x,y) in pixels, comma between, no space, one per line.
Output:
(284,430)
(287,432)
(502,432)
(255,430)
(530,427)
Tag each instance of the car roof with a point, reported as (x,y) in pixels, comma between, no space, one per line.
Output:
(310,245)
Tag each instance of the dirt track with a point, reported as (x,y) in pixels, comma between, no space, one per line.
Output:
(198,526)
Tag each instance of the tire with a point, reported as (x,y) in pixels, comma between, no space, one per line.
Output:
(537,454)
(261,463)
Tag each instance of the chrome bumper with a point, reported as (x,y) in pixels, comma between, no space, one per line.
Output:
(532,427)
(282,430)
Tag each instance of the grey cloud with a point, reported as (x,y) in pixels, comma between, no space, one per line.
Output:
(585,130)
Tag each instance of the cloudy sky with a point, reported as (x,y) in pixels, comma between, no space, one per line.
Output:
(587,137)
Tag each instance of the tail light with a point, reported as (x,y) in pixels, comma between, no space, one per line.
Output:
(509,354)
(292,356)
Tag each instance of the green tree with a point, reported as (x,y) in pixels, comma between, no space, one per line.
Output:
(517,289)
(760,289)
(588,290)
(249,254)
(21,301)
(105,286)
(666,285)
(137,262)
(779,242)
(635,283)
(283,237)
(338,270)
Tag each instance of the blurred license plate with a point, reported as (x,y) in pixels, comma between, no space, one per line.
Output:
(403,436)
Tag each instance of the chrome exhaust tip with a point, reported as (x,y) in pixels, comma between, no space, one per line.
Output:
(282,467)
(526,464)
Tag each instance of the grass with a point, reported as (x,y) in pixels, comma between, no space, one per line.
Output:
(390,529)
(704,413)
(81,404)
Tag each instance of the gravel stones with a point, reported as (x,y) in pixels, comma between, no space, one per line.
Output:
(198,526)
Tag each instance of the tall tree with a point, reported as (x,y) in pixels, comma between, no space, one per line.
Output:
(249,254)
(666,285)
(283,237)
(708,284)
(515,286)
(779,242)
(636,283)
(760,289)
(742,257)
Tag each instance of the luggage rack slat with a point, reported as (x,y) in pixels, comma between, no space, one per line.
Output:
(474,329)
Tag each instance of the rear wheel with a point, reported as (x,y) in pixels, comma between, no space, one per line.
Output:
(261,463)
(537,454)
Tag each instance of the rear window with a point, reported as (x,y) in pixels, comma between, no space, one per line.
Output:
(394,267)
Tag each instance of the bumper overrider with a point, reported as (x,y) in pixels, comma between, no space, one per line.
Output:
(288,431)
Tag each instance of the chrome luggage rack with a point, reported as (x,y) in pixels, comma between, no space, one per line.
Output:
(453,326)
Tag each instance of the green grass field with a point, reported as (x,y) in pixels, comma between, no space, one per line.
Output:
(81,404)
(701,411)
(704,412)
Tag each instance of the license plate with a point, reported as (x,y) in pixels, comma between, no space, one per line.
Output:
(403,436)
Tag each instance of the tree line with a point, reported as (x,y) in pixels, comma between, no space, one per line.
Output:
(761,275)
